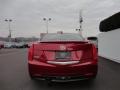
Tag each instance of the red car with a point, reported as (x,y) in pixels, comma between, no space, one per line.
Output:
(62,57)
(1,45)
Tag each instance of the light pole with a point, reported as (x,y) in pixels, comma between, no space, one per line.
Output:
(9,28)
(47,22)
(80,22)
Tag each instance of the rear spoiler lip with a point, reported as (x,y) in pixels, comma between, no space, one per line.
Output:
(63,42)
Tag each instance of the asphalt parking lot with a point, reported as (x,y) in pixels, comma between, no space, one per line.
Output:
(14,75)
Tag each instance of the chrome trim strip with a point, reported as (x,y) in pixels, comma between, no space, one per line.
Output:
(63,63)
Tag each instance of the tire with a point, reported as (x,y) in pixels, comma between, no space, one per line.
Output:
(49,82)
(31,76)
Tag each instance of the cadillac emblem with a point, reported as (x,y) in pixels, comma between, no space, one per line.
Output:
(62,47)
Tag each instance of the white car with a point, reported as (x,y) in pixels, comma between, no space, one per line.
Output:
(8,45)
(19,45)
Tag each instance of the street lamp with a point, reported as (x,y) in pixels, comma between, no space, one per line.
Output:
(77,29)
(80,22)
(47,21)
(9,28)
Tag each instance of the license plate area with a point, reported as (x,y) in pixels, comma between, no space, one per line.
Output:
(63,55)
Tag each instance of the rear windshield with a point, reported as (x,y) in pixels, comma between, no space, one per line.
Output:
(62,37)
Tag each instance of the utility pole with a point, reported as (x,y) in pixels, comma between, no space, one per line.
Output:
(47,22)
(9,28)
(80,22)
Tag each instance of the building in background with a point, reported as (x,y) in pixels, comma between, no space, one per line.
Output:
(109,39)
(42,35)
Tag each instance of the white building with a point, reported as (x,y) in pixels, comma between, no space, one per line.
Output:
(109,39)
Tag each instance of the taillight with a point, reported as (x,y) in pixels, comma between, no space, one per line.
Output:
(89,54)
(95,56)
(43,56)
(40,57)
(31,53)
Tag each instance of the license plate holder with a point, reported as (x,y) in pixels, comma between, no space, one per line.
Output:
(63,55)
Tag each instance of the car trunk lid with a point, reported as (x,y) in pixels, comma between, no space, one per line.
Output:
(63,51)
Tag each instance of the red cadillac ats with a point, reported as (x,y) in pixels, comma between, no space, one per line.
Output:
(62,57)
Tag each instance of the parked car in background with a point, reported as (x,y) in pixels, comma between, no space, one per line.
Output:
(9,44)
(26,45)
(62,57)
(30,44)
(1,45)
(93,40)
(21,45)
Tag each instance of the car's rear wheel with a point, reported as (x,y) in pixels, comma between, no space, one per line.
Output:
(31,76)
(49,82)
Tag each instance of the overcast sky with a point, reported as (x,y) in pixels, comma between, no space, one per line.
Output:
(27,15)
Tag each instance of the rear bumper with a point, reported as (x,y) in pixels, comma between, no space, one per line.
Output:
(63,72)
(64,78)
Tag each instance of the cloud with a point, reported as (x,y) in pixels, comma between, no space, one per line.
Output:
(28,15)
